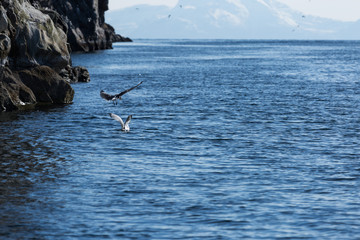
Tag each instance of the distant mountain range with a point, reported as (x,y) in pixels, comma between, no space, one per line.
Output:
(229,19)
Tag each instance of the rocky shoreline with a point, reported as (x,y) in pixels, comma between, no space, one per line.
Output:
(36,39)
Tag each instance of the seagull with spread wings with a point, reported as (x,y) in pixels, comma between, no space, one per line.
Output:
(124,126)
(115,97)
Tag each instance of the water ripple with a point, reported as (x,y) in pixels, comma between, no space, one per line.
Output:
(259,142)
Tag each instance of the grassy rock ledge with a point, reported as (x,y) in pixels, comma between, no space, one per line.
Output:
(35,62)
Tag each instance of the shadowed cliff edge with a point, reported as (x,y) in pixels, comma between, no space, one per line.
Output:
(36,39)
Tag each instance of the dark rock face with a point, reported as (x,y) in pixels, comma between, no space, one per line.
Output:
(36,39)
(23,88)
(85,20)
(75,74)
(47,85)
(113,36)
(5,46)
(13,93)
(33,50)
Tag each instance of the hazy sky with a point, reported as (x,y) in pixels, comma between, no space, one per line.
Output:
(119,4)
(343,10)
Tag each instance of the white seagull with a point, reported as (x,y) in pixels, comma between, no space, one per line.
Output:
(124,126)
(115,97)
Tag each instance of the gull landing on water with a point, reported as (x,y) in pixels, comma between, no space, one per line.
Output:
(124,126)
(115,97)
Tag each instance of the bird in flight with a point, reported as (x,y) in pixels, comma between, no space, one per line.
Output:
(124,126)
(115,97)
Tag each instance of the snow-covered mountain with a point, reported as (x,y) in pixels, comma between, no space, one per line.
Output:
(231,19)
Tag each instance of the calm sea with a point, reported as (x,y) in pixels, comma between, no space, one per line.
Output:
(229,140)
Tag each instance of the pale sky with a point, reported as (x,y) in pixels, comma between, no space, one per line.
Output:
(343,10)
(119,4)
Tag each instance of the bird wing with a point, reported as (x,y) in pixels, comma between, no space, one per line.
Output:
(128,120)
(127,90)
(117,118)
(106,96)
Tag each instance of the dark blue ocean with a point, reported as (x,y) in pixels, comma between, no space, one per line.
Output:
(229,140)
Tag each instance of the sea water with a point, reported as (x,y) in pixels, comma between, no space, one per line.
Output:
(229,140)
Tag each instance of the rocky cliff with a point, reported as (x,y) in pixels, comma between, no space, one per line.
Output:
(85,20)
(36,38)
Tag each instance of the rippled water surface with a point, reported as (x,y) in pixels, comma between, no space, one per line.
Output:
(229,140)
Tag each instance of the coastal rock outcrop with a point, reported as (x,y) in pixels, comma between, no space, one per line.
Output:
(14,94)
(33,50)
(75,74)
(47,85)
(85,20)
(36,39)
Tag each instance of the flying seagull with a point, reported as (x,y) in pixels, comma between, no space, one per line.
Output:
(124,126)
(115,97)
